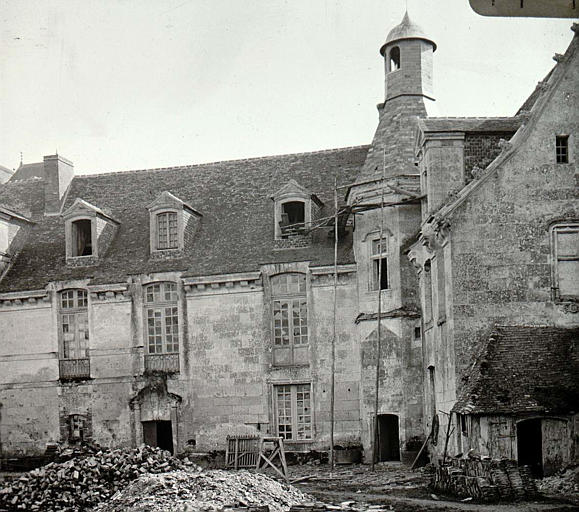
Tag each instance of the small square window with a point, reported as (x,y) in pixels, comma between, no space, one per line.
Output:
(562,149)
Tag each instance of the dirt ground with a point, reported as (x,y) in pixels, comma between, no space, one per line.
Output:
(395,487)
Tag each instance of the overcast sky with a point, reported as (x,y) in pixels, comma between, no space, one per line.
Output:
(132,84)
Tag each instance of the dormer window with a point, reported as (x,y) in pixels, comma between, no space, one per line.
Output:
(292,218)
(167,232)
(170,219)
(294,210)
(82,237)
(88,232)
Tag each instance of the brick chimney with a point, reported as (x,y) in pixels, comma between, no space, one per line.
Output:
(58,173)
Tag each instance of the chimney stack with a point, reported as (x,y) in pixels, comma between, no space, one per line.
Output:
(58,173)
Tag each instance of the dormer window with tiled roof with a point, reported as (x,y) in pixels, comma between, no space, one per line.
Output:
(172,223)
(88,233)
(295,208)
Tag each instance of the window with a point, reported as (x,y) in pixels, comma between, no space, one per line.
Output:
(161,308)
(293,411)
(427,292)
(379,262)
(167,233)
(394,62)
(82,237)
(432,383)
(290,319)
(417,332)
(74,324)
(73,335)
(562,149)
(77,427)
(441,286)
(565,249)
(292,218)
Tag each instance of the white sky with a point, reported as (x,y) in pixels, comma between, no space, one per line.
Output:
(132,84)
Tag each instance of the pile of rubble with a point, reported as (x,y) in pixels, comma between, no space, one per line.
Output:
(565,483)
(85,480)
(212,490)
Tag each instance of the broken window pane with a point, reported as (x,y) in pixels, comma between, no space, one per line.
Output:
(293,412)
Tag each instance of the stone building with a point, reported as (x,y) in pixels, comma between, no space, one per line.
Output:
(179,305)
(498,263)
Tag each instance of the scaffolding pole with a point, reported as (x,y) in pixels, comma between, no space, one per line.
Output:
(333,356)
(379,333)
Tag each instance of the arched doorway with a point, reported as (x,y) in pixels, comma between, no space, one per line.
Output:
(388,438)
(530,445)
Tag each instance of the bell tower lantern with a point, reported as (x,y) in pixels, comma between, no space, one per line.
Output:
(407,56)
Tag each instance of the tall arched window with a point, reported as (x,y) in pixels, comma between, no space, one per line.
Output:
(394,60)
(74,334)
(290,319)
(162,327)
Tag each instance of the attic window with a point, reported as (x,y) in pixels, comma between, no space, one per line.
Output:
(394,62)
(292,218)
(167,231)
(82,237)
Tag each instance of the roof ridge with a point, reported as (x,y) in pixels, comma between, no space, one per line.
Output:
(218,162)
(466,117)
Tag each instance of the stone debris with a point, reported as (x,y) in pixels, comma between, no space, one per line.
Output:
(86,479)
(206,491)
(565,483)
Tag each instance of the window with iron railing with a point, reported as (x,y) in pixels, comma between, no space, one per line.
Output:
(74,334)
(162,327)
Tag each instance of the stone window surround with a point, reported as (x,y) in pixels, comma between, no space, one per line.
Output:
(288,199)
(71,311)
(154,235)
(288,297)
(168,203)
(570,225)
(373,258)
(147,305)
(69,236)
(274,414)
(368,240)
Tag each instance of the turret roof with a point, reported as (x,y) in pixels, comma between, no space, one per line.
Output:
(407,29)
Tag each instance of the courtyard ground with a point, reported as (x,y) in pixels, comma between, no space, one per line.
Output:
(395,487)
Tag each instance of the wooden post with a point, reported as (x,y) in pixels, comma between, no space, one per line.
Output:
(333,355)
(379,333)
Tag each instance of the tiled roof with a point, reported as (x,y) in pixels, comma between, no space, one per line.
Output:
(470,124)
(236,232)
(25,197)
(524,369)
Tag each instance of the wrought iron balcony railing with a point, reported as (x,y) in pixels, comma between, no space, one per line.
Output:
(70,369)
(164,363)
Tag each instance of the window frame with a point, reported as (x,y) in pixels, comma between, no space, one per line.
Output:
(297,349)
(170,244)
(562,155)
(154,214)
(561,227)
(391,59)
(374,258)
(293,388)
(73,419)
(162,306)
(75,311)
(71,238)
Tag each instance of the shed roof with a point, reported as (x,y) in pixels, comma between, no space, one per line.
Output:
(524,369)
(236,232)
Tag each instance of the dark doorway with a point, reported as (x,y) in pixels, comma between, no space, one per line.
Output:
(530,446)
(388,438)
(158,433)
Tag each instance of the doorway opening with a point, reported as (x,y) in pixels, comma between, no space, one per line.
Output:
(388,438)
(530,446)
(159,434)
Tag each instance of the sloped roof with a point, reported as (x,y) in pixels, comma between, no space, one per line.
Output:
(524,369)
(537,104)
(24,197)
(470,124)
(236,232)
(27,171)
